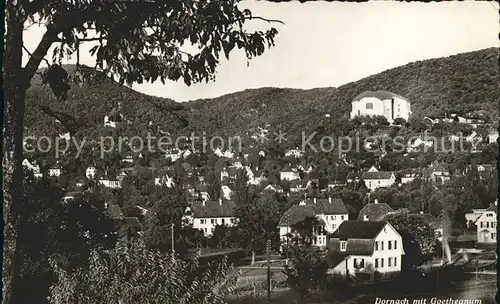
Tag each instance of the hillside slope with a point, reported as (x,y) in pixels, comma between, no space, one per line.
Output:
(459,83)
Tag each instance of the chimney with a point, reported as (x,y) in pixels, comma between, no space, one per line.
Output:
(314,200)
(376,201)
(220,201)
(330,199)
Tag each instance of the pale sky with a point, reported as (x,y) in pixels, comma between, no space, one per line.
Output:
(325,44)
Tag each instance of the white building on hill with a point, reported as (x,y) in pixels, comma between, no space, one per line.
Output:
(382,103)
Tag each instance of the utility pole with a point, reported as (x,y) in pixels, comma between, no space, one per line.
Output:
(172,237)
(268,251)
(287,218)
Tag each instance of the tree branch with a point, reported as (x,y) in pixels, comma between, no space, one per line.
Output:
(30,54)
(263,19)
(41,50)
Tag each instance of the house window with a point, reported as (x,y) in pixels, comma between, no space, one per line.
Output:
(389,245)
(202,221)
(487,224)
(395,244)
(381,245)
(355,263)
(213,221)
(395,261)
(333,217)
(369,106)
(376,246)
(481,224)
(343,245)
(362,263)
(381,262)
(205,230)
(389,262)
(223,221)
(342,217)
(376,263)
(493,235)
(493,224)
(232,221)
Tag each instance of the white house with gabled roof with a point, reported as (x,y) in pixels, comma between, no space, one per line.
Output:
(206,215)
(330,212)
(366,250)
(374,178)
(90,172)
(486,225)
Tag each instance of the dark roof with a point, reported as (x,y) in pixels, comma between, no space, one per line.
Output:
(374,211)
(353,247)
(213,209)
(382,95)
(358,230)
(298,213)
(326,206)
(376,175)
(298,182)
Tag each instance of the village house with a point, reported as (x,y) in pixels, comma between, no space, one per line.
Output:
(473,137)
(374,211)
(336,184)
(382,103)
(70,196)
(299,185)
(492,136)
(274,188)
(421,144)
(486,225)
(33,167)
(257,178)
(294,153)
(90,172)
(55,171)
(164,180)
(376,179)
(472,216)
(110,183)
(437,173)
(409,177)
(201,191)
(289,174)
(365,250)
(206,215)
(330,213)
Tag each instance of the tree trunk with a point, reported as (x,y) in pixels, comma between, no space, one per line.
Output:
(15,86)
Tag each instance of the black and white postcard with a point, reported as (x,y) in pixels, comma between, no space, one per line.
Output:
(248,152)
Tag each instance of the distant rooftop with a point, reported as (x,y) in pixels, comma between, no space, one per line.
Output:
(382,95)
